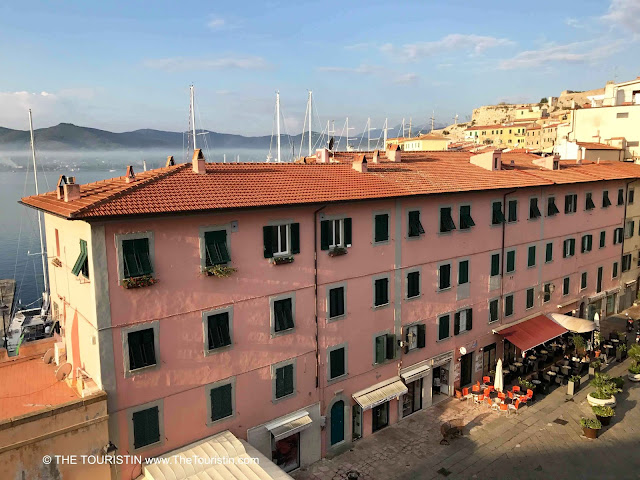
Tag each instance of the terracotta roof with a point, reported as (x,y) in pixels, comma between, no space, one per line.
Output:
(177,189)
(597,146)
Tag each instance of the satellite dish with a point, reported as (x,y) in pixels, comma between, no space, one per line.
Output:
(48,356)
(63,371)
(331,142)
(463,351)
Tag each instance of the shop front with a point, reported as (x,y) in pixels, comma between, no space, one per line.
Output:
(595,306)
(416,377)
(489,359)
(378,406)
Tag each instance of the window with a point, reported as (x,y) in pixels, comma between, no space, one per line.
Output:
(135,256)
(513,210)
(142,348)
(565,286)
(617,236)
(337,362)
(381,292)
(552,209)
(381,228)
(620,196)
(415,227)
(384,348)
(282,314)
(218,330)
(413,284)
(626,262)
(605,199)
(462,321)
(443,327)
(589,205)
(466,222)
(444,276)
(599,280)
(463,272)
(570,203)
(336,302)
(495,264)
(215,248)
(281,240)
(603,236)
(415,337)
(546,289)
(57,243)
(548,253)
(497,217)
(82,263)
(530,298)
(583,281)
(284,380)
(534,211)
(531,256)
(614,270)
(630,227)
(146,427)
(446,221)
(508,305)
(221,401)
(569,248)
(630,197)
(587,243)
(335,233)
(493,310)
(511,261)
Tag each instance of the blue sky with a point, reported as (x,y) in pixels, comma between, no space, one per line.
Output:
(127,65)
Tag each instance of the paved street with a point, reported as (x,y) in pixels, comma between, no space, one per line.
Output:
(543,441)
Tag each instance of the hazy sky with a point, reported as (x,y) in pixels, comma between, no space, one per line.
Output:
(127,65)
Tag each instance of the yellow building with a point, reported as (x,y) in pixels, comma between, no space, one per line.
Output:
(511,135)
(427,142)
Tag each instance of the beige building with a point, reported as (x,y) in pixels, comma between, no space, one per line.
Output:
(428,142)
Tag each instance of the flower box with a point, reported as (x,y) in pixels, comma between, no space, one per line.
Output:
(337,251)
(139,282)
(281,260)
(220,271)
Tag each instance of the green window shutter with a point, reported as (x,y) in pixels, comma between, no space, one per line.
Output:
(221,403)
(589,202)
(446,221)
(82,258)
(325,234)
(336,302)
(445,276)
(534,211)
(493,310)
(135,255)
(615,270)
(620,197)
(381,228)
(565,286)
(511,261)
(463,272)
(336,363)
(267,238)
(572,245)
(283,314)
(605,199)
(443,327)
(497,216)
(415,226)
(391,346)
(552,209)
(469,318)
(146,427)
(141,348)
(295,238)
(422,335)
(465,217)
(142,253)
(508,307)
(284,381)
(530,293)
(218,331)
(456,323)
(216,248)
(413,284)
(347,232)
(531,256)
(513,210)
(381,291)
(495,264)
(380,347)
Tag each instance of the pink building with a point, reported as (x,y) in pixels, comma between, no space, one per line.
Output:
(304,306)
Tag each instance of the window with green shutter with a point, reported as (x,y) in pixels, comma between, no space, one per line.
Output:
(443,327)
(508,305)
(136,258)
(381,291)
(146,427)
(620,196)
(569,247)
(497,217)
(589,205)
(415,227)
(546,291)
(583,281)
(586,243)
(281,240)
(534,211)
(284,381)
(565,285)
(466,221)
(462,321)
(493,310)
(495,264)
(570,203)
(380,348)
(216,250)
(463,272)
(413,284)
(444,276)
(552,209)
(605,199)
(221,402)
(381,230)
(337,366)
(335,233)
(446,220)
(548,253)
(603,236)
(218,330)
(142,351)
(336,302)
(82,263)
(283,314)
(531,256)
(511,261)
(614,272)
(513,211)
(530,297)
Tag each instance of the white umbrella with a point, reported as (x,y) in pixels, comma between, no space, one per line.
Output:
(498,383)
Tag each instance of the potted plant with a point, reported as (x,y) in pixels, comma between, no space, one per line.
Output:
(594,367)
(590,427)
(573,385)
(603,414)
(282,260)
(139,282)
(220,271)
(337,251)
(579,343)
(634,369)
(621,352)
(605,388)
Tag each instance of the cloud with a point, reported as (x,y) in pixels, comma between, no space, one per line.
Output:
(175,64)
(406,79)
(216,23)
(625,13)
(362,69)
(359,46)
(48,108)
(476,44)
(573,23)
(573,53)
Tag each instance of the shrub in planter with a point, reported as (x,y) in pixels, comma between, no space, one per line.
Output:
(220,271)
(605,389)
(594,367)
(621,352)
(139,282)
(634,369)
(281,260)
(525,384)
(579,343)
(597,338)
(590,427)
(603,414)
(573,385)
(337,251)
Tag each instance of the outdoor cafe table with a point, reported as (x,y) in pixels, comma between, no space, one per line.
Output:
(544,352)
(615,340)
(536,382)
(532,357)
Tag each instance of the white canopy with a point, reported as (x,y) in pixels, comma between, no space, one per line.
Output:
(573,324)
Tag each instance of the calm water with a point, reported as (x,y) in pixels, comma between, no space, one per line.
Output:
(19,239)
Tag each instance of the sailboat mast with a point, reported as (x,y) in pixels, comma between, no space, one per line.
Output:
(386,128)
(278,121)
(35,177)
(193,117)
(310,106)
(368,134)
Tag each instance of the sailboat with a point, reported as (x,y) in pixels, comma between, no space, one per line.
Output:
(34,323)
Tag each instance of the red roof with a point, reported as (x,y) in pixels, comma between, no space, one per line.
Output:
(597,146)
(533,332)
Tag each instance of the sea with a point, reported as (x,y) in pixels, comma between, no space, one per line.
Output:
(19,241)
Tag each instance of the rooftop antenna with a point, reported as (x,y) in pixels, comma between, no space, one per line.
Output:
(278,122)
(193,116)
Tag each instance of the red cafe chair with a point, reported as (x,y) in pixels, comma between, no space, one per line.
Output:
(516,388)
(486,379)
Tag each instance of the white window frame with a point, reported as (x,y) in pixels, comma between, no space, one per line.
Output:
(277,252)
(462,312)
(337,226)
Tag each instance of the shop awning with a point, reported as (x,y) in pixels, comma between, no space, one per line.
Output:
(415,372)
(216,457)
(289,425)
(573,324)
(380,393)
(532,332)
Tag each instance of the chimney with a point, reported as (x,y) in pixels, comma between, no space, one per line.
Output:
(376,156)
(360,164)
(130,176)
(490,160)
(62,181)
(393,154)
(198,161)
(170,161)
(322,155)
(71,190)
(579,156)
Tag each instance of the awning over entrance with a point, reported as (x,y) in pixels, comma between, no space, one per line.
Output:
(230,453)
(380,393)
(573,324)
(415,372)
(289,425)
(530,333)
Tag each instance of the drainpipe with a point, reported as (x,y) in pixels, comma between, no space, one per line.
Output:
(315,291)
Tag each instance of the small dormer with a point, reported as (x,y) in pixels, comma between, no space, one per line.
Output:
(360,164)
(198,161)
(491,160)
(393,153)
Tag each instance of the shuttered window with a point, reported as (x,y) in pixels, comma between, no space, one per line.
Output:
(565,285)
(446,220)
(142,352)
(462,321)
(284,381)
(620,196)
(531,256)
(443,327)
(493,310)
(530,297)
(335,233)
(497,217)
(587,243)
(495,264)
(381,229)
(569,248)
(444,276)
(511,261)
(463,272)
(136,259)
(336,302)
(548,254)
(283,314)
(605,199)
(589,205)
(146,427)
(570,203)
(380,348)
(603,236)
(218,330)
(216,250)
(546,290)
(337,366)
(614,271)
(513,211)
(583,281)
(508,305)
(415,227)
(281,240)
(82,263)
(534,211)
(221,402)
(413,284)
(381,292)
(466,221)
(552,209)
